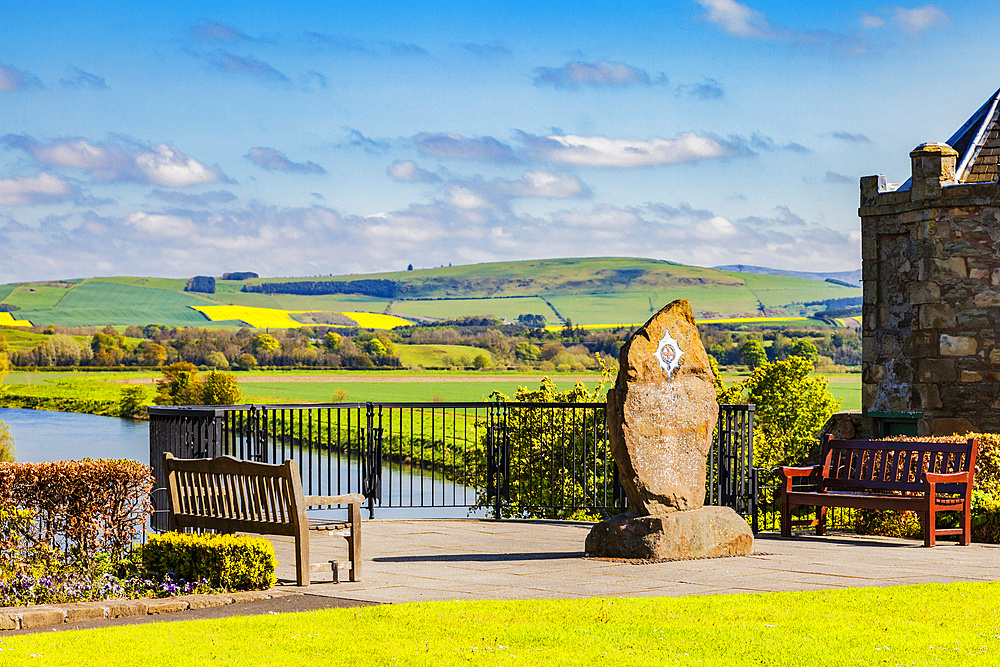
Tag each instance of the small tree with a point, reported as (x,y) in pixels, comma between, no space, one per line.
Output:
(753,354)
(220,389)
(216,359)
(264,342)
(481,361)
(179,385)
(6,444)
(132,402)
(792,407)
(246,361)
(547,452)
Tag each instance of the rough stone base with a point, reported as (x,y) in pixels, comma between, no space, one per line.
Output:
(703,533)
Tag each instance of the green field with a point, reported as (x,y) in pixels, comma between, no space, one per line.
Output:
(98,302)
(594,290)
(503,308)
(360,386)
(37,296)
(440,356)
(901,625)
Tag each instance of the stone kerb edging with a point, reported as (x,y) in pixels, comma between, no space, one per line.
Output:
(38,616)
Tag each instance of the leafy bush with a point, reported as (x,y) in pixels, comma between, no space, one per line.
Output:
(229,562)
(889,523)
(985,518)
(6,444)
(548,457)
(133,402)
(792,407)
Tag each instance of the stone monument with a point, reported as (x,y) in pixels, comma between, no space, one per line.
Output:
(661,414)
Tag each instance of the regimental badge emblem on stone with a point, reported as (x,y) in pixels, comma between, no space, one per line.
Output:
(668,354)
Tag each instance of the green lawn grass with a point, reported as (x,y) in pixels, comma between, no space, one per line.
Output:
(907,625)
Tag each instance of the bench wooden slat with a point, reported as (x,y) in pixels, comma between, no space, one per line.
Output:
(888,475)
(230,495)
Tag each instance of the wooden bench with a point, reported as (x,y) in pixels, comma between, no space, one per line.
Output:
(230,495)
(925,477)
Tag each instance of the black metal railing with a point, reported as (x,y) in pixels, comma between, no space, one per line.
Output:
(768,512)
(503,459)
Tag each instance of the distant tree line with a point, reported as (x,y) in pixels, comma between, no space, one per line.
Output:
(203,284)
(510,346)
(370,287)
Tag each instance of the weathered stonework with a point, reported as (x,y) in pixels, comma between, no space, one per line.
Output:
(931,313)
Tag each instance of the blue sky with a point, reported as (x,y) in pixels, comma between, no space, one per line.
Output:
(333,137)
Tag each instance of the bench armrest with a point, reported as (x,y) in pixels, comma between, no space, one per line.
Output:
(346,499)
(947,477)
(812,471)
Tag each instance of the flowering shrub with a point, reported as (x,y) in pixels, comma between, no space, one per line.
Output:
(80,586)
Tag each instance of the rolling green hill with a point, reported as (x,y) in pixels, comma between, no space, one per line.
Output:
(593,291)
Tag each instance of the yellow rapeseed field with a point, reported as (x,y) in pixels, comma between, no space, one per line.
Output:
(377,320)
(723,320)
(739,320)
(260,318)
(7,320)
(276,318)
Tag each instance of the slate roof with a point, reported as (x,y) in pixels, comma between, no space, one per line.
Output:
(978,145)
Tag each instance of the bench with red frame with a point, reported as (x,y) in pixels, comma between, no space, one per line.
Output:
(922,476)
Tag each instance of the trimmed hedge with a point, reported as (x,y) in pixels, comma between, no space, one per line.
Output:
(229,562)
(86,507)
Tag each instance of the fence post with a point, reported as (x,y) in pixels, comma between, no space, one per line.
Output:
(371,459)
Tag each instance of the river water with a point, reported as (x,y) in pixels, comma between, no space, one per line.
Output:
(42,435)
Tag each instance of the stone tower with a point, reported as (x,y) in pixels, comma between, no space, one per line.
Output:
(931,272)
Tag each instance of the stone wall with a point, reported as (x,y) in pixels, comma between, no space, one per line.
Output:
(931,317)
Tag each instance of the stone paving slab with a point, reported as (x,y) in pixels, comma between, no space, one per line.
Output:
(417,560)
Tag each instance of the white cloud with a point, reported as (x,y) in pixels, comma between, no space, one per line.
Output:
(869,21)
(42,189)
(542,184)
(170,226)
(12,79)
(601,151)
(78,154)
(465,198)
(316,240)
(407,171)
(915,21)
(738,19)
(167,166)
(119,160)
(274,160)
(600,74)
(448,145)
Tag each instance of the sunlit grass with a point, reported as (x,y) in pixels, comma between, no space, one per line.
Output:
(906,625)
